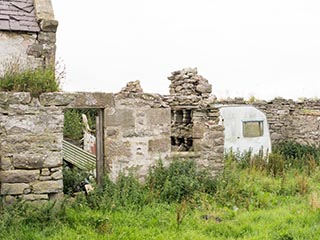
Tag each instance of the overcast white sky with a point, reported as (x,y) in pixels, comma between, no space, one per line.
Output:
(243,47)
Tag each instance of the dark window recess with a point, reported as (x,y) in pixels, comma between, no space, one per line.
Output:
(181,130)
(187,118)
(180,144)
(178,116)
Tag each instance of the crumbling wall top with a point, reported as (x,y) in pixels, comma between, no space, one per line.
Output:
(187,82)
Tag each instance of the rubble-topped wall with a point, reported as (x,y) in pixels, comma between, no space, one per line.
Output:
(195,129)
(288,119)
(187,82)
(137,131)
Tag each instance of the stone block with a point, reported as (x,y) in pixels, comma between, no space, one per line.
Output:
(159,145)
(34,197)
(28,160)
(14,98)
(158,116)
(92,100)
(49,25)
(55,169)
(33,124)
(45,172)
(57,175)
(19,176)
(204,88)
(47,37)
(57,99)
(6,163)
(53,159)
(116,148)
(45,178)
(47,187)
(198,130)
(120,118)
(37,160)
(14,188)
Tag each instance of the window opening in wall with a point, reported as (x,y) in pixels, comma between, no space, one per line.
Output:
(178,116)
(82,148)
(187,116)
(181,130)
(252,129)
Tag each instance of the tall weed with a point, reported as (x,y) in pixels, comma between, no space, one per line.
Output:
(35,81)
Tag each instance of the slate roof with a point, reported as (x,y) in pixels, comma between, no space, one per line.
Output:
(18,15)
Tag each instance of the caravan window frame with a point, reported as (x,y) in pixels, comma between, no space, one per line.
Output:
(260,129)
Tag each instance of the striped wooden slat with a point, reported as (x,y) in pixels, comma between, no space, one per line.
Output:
(78,156)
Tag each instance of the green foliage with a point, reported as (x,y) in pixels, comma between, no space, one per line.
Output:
(181,180)
(126,191)
(73,127)
(297,155)
(245,203)
(73,178)
(275,165)
(73,124)
(35,81)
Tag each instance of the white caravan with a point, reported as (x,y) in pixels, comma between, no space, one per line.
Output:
(246,128)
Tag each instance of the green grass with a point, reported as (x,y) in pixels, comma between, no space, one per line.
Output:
(245,203)
(295,220)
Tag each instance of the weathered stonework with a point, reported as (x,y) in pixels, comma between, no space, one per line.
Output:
(31,145)
(288,119)
(31,135)
(137,131)
(27,34)
(195,129)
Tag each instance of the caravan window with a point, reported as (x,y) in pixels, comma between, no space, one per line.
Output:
(252,128)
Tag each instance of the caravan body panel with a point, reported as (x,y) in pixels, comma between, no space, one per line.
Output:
(246,128)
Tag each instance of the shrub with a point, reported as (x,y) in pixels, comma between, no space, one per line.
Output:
(298,155)
(73,179)
(35,81)
(179,181)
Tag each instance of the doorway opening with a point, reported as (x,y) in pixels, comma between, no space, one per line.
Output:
(82,149)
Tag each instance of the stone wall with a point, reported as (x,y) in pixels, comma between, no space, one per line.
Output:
(139,128)
(30,49)
(288,119)
(195,129)
(31,148)
(137,131)
(31,134)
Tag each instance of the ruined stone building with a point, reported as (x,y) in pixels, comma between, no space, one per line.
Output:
(27,33)
(135,128)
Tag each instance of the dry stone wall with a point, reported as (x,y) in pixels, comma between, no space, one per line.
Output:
(195,129)
(31,148)
(288,119)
